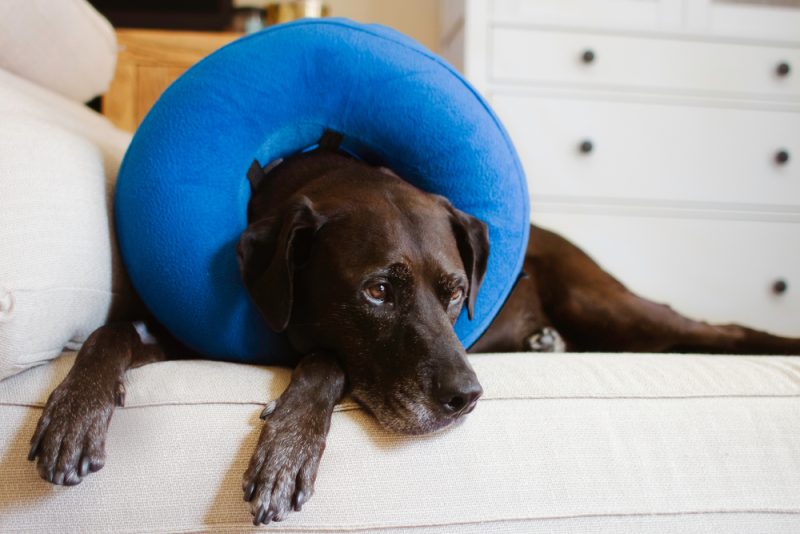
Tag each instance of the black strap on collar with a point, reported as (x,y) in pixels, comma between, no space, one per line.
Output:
(330,140)
(255,175)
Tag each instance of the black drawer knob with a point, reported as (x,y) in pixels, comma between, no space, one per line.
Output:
(783,69)
(588,56)
(782,157)
(586,146)
(780,286)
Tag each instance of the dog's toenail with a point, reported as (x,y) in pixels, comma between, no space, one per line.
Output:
(259,517)
(268,409)
(298,500)
(84,470)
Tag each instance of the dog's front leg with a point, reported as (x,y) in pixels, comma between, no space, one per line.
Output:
(284,466)
(69,440)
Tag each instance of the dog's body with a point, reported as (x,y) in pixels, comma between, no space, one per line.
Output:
(565,301)
(366,275)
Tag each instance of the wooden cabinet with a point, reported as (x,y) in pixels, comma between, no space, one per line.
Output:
(662,136)
(148,61)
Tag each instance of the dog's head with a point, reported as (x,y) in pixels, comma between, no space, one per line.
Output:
(364,265)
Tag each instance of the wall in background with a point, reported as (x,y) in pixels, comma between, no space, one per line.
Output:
(418,19)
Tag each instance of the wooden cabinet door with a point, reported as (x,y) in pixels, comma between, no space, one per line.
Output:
(148,62)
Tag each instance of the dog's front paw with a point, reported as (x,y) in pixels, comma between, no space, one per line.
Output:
(283,468)
(69,440)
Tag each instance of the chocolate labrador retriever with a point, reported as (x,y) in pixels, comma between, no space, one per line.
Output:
(366,275)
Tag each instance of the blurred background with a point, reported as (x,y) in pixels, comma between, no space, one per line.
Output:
(662,136)
(417,18)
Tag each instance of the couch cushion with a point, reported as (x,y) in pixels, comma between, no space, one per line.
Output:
(19,96)
(65,46)
(559,443)
(60,275)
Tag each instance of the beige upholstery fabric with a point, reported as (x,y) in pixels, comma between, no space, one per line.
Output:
(560,443)
(65,46)
(20,97)
(60,272)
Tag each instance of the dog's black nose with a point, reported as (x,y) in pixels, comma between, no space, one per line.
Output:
(458,392)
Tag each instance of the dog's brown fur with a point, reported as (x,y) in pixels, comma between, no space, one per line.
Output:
(367,274)
(565,300)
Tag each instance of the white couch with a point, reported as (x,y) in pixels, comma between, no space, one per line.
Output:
(559,443)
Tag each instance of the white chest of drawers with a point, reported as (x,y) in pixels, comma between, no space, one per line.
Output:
(661,136)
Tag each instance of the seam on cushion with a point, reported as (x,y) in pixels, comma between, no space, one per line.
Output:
(360,528)
(27,366)
(558,517)
(59,350)
(350,408)
(41,352)
(255,404)
(648,397)
(65,288)
(40,405)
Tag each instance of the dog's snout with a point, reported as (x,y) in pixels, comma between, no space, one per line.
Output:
(458,392)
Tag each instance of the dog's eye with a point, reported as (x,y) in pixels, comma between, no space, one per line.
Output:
(377,293)
(456,295)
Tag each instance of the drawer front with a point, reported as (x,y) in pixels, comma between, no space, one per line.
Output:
(544,57)
(773,20)
(610,14)
(715,270)
(666,153)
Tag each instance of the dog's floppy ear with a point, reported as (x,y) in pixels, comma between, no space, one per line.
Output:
(269,251)
(472,237)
